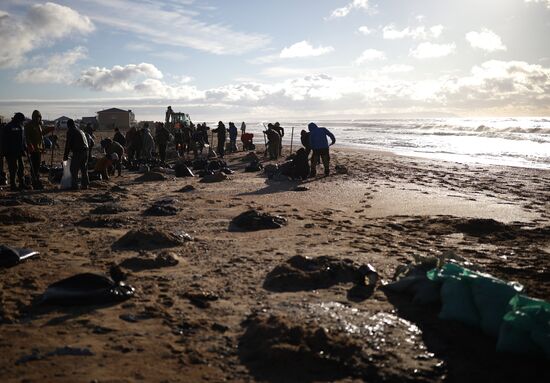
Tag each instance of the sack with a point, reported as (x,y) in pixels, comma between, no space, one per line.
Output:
(181,170)
(526,327)
(66,179)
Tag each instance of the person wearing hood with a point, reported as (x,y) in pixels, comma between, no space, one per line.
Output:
(133,143)
(35,146)
(148,143)
(77,143)
(279,129)
(320,147)
(13,148)
(162,135)
(221,132)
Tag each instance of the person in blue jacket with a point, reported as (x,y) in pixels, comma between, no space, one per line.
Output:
(233,136)
(320,147)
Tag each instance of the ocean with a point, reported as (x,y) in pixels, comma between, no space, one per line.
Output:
(522,142)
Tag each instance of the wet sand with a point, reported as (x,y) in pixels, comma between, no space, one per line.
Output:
(211,316)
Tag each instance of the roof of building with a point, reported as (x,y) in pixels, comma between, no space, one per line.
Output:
(62,118)
(114,110)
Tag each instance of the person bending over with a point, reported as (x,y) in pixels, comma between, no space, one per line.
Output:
(320,147)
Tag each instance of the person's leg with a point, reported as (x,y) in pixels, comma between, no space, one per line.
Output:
(326,161)
(20,171)
(119,166)
(35,168)
(84,170)
(12,169)
(314,159)
(74,168)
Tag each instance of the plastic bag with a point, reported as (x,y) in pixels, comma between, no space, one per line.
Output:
(66,179)
(458,302)
(526,327)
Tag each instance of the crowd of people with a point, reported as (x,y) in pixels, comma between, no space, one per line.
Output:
(22,138)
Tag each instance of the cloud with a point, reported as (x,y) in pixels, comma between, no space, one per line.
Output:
(57,70)
(430,50)
(397,68)
(370,55)
(486,40)
(119,78)
(345,10)
(540,1)
(170,23)
(498,82)
(420,33)
(304,49)
(43,25)
(365,30)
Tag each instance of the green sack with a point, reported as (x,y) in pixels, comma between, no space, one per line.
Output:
(530,319)
(491,297)
(458,302)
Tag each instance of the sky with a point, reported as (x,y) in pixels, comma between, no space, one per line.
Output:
(252,59)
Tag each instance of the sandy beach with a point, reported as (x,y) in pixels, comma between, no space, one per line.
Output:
(208,317)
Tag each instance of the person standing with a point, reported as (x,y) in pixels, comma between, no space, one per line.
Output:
(133,142)
(273,142)
(279,129)
(221,132)
(320,147)
(77,144)
(119,137)
(3,178)
(13,148)
(162,136)
(233,136)
(243,128)
(35,146)
(148,143)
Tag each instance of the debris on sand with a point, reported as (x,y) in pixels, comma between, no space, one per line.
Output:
(216,177)
(16,215)
(151,177)
(341,169)
(250,157)
(252,220)
(481,226)
(304,273)
(101,198)
(60,351)
(200,299)
(85,289)
(186,189)
(108,208)
(11,256)
(104,222)
(119,189)
(10,202)
(147,262)
(300,188)
(160,210)
(38,200)
(150,239)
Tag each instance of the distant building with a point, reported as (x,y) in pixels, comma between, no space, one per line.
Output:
(89,120)
(61,122)
(109,119)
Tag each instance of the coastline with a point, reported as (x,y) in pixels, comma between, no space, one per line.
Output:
(387,210)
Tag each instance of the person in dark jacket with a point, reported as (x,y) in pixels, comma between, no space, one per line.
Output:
(133,141)
(221,132)
(35,146)
(273,142)
(119,137)
(233,132)
(3,178)
(77,144)
(13,148)
(320,146)
(279,129)
(162,137)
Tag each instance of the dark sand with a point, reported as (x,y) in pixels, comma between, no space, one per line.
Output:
(210,318)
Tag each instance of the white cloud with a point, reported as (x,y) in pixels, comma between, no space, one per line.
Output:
(174,24)
(370,55)
(430,50)
(486,40)
(397,68)
(345,10)
(43,25)
(540,1)
(365,30)
(304,49)
(57,70)
(390,32)
(119,78)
